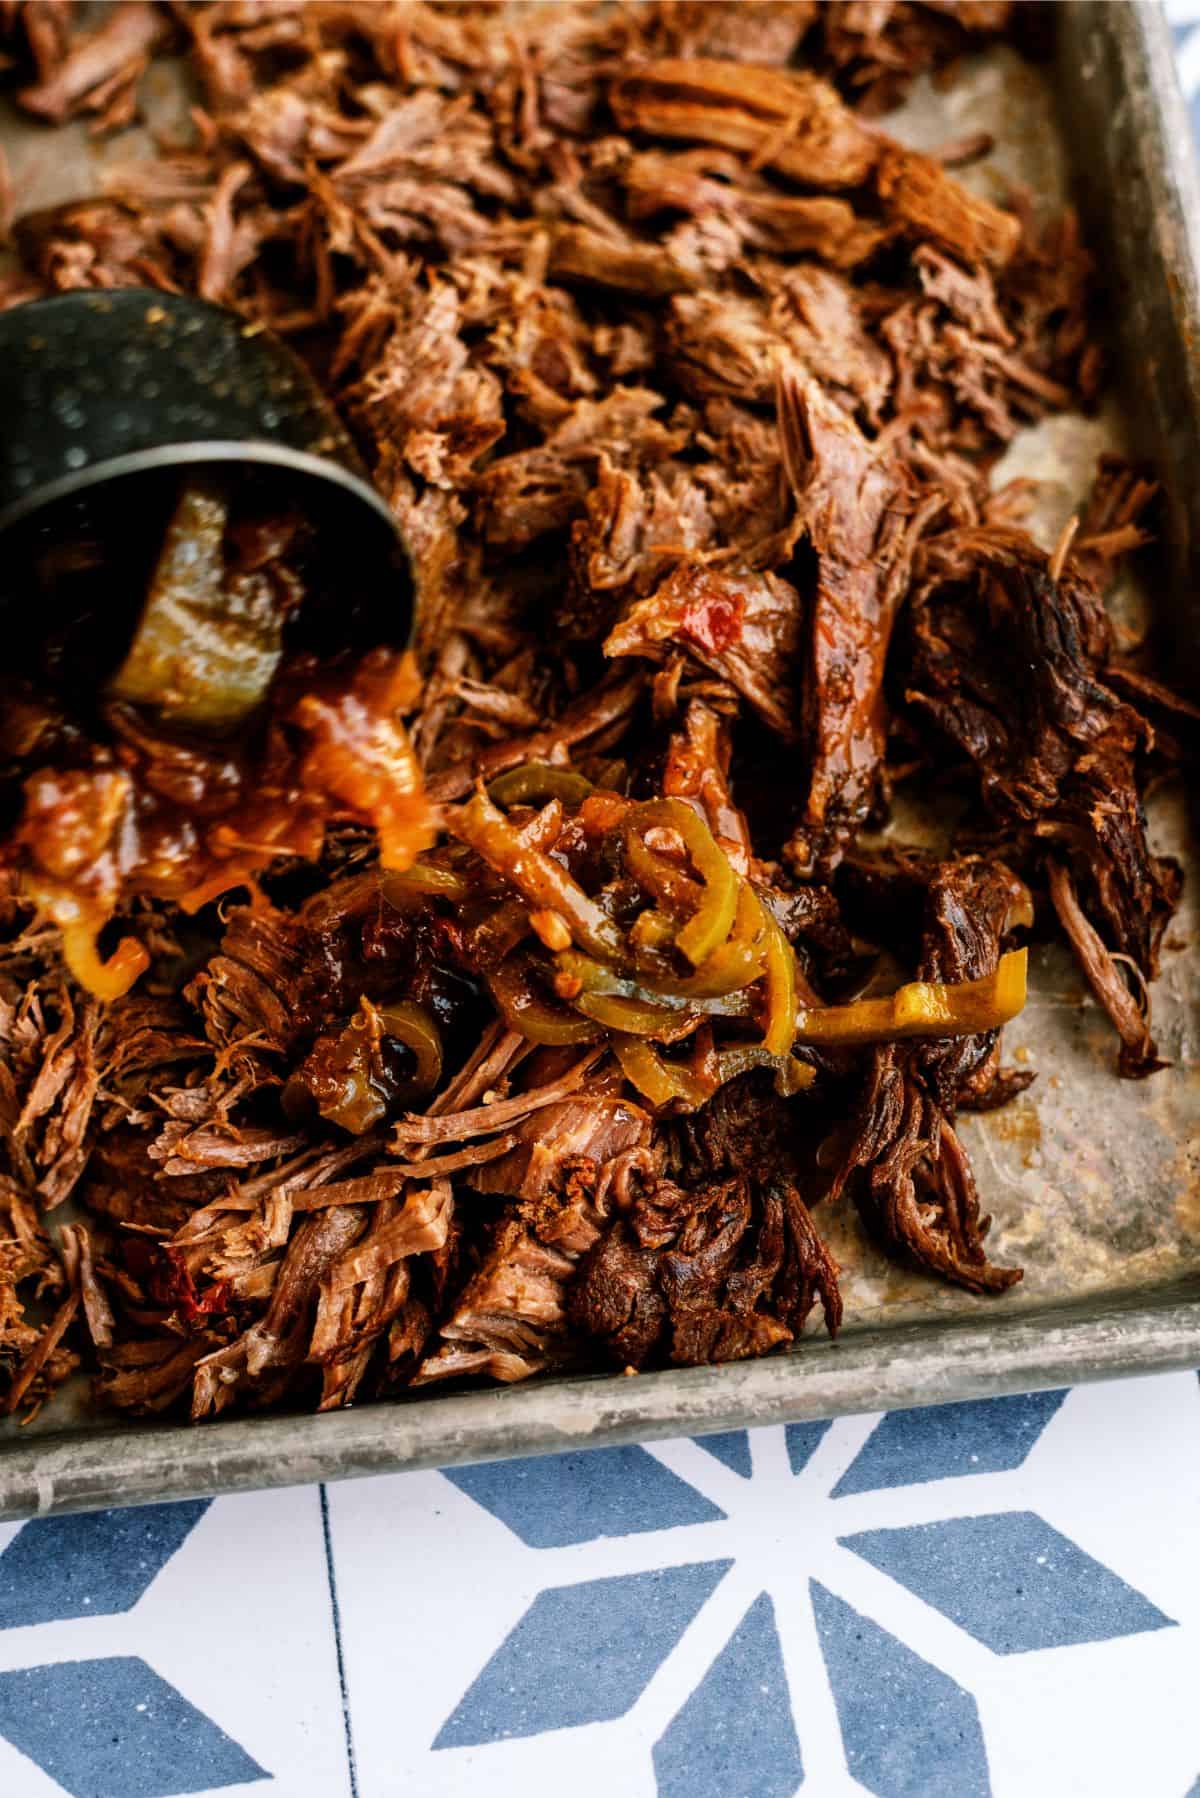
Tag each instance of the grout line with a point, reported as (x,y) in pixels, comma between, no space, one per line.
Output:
(337,1637)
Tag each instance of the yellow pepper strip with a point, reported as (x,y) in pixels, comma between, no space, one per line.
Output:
(105,980)
(737,963)
(233,874)
(412,1025)
(780,984)
(424,877)
(533,783)
(727,970)
(635,1017)
(592,978)
(540,879)
(665,1082)
(661,876)
(751,917)
(525,1011)
(659,1080)
(923,1009)
(81,925)
(712,918)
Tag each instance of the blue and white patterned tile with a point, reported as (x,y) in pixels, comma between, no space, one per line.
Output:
(996,1599)
(171,1649)
(958,1601)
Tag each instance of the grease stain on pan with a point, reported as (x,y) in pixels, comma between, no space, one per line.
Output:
(1019,1125)
(1187,1206)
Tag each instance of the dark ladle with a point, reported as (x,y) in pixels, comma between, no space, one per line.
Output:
(123,384)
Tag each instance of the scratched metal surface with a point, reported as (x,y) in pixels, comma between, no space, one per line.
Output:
(1093,1182)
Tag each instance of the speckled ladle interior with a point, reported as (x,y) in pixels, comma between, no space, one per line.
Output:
(99,385)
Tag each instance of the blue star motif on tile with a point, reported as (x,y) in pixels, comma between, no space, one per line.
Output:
(91,1565)
(586,1652)
(113,1729)
(941,1443)
(580,1654)
(1010,1581)
(108,1727)
(578,1498)
(731,1448)
(738,1716)
(907,1727)
(803,1440)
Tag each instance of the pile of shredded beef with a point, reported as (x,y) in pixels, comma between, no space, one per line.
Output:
(685,382)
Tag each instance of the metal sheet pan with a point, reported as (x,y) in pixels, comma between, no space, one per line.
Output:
(1094,1183)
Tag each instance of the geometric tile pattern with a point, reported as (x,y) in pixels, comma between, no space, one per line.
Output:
(580,1498)
(991,1598)
(113,1729)
(95,1564)
(168,1649)
(738,1717)
(583,1653)
(1011,1581)
(803,1441)
(940,1443)
(580,1654)
(907,1727)
(731,1448)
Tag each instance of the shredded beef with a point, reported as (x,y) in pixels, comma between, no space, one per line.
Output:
(729,1270)
(906,1165)
(848,499)
(1010,663)
(914,1184)
(743,626)
(595,1129)
(685,381)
